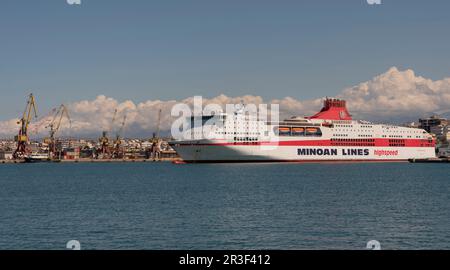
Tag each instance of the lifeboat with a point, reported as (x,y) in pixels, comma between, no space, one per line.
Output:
(298,130)
(312,130)
(284,129)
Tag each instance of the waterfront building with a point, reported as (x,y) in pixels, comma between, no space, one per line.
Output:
(433,121)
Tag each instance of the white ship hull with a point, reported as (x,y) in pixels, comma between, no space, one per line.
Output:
(330,135)
(204,152)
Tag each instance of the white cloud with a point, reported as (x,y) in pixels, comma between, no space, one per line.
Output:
(394,95)
(398,94)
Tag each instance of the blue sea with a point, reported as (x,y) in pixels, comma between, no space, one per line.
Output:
(224,206)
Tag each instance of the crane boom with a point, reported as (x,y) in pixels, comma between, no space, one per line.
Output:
(159,123)
(55,125)
(122,126)
(113,121)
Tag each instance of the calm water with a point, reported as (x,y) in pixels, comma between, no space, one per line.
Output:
(224,206)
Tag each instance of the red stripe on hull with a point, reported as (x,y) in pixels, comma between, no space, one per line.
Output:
(376,143)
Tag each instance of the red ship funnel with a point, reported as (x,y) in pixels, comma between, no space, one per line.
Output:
(333,109)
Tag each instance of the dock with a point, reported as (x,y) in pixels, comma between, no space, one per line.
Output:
(89,160)
(430,160)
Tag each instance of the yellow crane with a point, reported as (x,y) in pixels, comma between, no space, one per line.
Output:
(105,141)
(54,126)
(117,149)
(22,138)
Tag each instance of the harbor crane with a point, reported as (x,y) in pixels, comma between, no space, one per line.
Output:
(54,126)
(22,139)
(104,140)
(155,150)
(155,135)
(117,149)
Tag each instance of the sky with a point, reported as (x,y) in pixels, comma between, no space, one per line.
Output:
(142,50)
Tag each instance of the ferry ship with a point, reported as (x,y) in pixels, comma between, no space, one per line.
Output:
(331,135)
